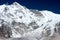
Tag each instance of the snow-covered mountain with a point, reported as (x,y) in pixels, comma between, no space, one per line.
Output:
(18,21)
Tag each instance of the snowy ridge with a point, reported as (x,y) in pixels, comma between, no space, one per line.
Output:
(29,24)
(48,29)
(18,14)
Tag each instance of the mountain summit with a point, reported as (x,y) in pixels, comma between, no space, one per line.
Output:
(17,21)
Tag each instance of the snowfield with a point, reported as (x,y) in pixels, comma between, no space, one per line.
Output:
(17,21)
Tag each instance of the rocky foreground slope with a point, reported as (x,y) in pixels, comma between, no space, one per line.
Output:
(20,23)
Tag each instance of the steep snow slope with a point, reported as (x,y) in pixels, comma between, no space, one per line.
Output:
(49,27)
(18,18)
(29,24)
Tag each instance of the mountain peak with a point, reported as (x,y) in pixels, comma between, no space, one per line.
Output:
(17,4)
(24,22)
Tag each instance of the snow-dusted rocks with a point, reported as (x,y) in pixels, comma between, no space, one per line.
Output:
(29,24)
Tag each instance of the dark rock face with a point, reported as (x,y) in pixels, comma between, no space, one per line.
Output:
(58,24)
(5,31)
(58,27)
(34,25)
(37,13)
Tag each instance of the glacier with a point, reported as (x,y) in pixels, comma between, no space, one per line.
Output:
(17,21)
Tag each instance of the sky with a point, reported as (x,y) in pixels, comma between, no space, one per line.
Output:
(51,5)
